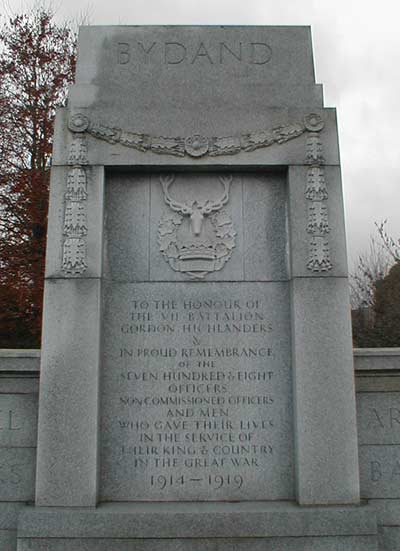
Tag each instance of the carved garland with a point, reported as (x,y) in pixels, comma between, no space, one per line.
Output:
(75,223)
(75,226)
(317,196)
(196,145)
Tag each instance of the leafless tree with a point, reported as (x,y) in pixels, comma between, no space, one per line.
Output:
(372,266)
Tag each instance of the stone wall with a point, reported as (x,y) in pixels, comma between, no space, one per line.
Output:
(378,420)
(19,388)
(377,373)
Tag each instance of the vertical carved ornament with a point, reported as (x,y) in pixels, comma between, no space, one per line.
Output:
(75,215)
(317,196)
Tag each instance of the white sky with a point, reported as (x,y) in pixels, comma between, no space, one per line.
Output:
(357,59)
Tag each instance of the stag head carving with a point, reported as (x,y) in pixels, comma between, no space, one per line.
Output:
(197,210)
(207,244)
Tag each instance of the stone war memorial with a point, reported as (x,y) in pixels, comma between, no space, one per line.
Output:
(196,373)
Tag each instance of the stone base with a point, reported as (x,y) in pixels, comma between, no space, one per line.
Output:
(257,526)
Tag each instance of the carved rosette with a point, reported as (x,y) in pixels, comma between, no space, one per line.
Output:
(196,237)
(75,215)
(317,196)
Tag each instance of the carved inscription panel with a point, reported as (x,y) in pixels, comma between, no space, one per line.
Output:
(18,433)
(177,53)
(201,78)
(379,443)
(196,392)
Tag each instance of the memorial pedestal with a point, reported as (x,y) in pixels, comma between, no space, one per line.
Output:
(199,526)
(197,387)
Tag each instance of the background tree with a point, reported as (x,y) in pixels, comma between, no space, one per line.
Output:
(390,245)
(373,265)
(375,293)
(387,309)
(37,62)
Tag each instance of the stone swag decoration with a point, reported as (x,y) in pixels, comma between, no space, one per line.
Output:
(197,237)
(196,145)
(189,250)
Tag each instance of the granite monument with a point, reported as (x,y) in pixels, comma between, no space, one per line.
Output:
(197,385)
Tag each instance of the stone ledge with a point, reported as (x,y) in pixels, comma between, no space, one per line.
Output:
(376,359)
(344,543)
(19,360)
(9,512)
(197,520)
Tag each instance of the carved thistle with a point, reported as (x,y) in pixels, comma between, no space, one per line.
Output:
(76,184)
(316,186)
(75,219)
(197,145)
(196,237)
(319,260)
(78,151)
(318,218)
(74,256)
(314,150)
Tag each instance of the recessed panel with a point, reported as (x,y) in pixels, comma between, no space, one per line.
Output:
(196,392)
(179,226)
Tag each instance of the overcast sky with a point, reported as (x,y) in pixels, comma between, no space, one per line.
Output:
(357,59)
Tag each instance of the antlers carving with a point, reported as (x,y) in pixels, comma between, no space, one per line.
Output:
(166,181)
(205,207)
(196,209)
